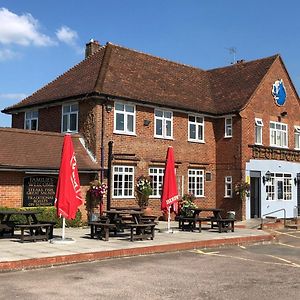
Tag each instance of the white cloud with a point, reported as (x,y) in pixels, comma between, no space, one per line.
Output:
(21,30)
(13,96)
(6,54)
(67,35)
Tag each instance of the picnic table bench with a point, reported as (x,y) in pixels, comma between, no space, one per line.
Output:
(223,225)
(142,231)
(7,227)
(40,231)
(102,229)
(190,223)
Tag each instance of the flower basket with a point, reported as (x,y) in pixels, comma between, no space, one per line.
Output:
(143,191)
(94,197)
(242,189)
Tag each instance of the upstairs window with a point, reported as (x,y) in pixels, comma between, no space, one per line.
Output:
(228,127)
(278,134)
(31,120)
(124,118)
(196,129)
(163,124)
(297,137)
(70,117)
(258,131)
(228,187)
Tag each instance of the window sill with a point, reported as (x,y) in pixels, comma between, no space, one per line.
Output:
(228,197)
(228,137)
(164,138)
(196,141)
(124,133)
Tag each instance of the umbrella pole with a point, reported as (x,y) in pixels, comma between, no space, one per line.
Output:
(63,228)
(169,219)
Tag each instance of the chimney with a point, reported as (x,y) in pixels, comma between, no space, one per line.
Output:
(91,47)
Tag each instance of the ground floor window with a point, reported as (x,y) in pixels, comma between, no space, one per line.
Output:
(123,181)
(279,187)
(157,177)
(196,182)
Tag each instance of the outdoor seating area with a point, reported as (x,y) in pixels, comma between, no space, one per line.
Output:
(124,219)
(31,229)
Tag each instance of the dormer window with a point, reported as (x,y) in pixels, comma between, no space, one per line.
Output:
(31,120)
(297,137)
(70,117)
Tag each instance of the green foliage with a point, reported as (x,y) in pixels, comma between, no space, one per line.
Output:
(187,205)
(46,214)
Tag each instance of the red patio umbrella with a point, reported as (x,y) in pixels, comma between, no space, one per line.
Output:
(169,195)
(68,195)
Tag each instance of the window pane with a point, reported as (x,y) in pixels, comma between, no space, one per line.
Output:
(65,123)
(130,123)
(200,132)
(66,109)
(34,124)
(192,118)
(119,121)
(119,106)
(158,129)
(129,108)
(73,122)
(27,124)
(74,107)
(158,113)
(168,129)
(193,131)
(168,114)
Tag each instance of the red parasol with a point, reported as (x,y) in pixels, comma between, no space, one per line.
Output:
(68,196)
(169,195)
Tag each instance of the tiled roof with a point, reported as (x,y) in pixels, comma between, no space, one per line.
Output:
(122,72)
(25,149)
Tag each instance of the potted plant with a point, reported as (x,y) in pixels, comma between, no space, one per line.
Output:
(94,198)
(242,189)
(143,191)
(187,205)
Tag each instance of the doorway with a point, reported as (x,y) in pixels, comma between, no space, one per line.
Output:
(255,200)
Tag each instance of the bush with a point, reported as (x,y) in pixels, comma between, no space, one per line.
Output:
(46,214)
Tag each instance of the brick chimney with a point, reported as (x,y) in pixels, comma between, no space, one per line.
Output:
(91,47)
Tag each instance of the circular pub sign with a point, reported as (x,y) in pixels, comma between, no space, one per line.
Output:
(279,92)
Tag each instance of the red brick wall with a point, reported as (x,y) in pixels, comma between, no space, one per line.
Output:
(50,119)
(18,120)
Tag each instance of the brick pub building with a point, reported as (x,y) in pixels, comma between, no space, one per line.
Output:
(226,126)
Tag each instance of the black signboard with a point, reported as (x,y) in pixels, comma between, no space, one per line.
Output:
(39,191)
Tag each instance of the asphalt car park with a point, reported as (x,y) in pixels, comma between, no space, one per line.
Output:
(261,271)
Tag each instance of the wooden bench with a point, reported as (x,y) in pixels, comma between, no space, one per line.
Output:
(36,231)
(102,229)
(223,224)
(189,223)
(142,231)
(52,223)
(7,227)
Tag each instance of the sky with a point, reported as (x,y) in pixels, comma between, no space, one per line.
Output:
(39,40)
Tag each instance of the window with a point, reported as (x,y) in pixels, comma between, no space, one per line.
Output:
(278,134)
(31,120)
(157,177)
(228,127)
(70,117)
(228,187)
(258,131)
(196,129)
(196,182)
(279,187)
(123,184)
(163,124)
(297,137)
(124,118)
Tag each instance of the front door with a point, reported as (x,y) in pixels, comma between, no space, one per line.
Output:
(255,194)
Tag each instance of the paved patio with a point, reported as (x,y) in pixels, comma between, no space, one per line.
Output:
(16,255)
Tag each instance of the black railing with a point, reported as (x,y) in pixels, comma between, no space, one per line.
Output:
(272,212)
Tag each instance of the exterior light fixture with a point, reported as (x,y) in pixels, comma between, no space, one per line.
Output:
(108,107)
(266,177)
(147,122)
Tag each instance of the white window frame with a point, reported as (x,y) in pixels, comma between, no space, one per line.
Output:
(228,187)
(164,121)
(119,191)
(30,116)
(228,127)
(68,116)
(126,114)
(297,137)
(157,177)
(272,187)
(199,127)
(196,177)
(258,131)
(279,134)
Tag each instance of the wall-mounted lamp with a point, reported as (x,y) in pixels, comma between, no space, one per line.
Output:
(296,181)
(266,177)
(108,107)
(147,122)
(284,113)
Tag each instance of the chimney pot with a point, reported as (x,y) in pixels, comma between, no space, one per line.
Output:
(91,47)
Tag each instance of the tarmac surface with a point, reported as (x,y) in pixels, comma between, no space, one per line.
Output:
(17,256)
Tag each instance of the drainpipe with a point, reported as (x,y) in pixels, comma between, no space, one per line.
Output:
(109,173)
(102,142)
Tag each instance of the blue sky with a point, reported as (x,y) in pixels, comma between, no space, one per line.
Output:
(39,40)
